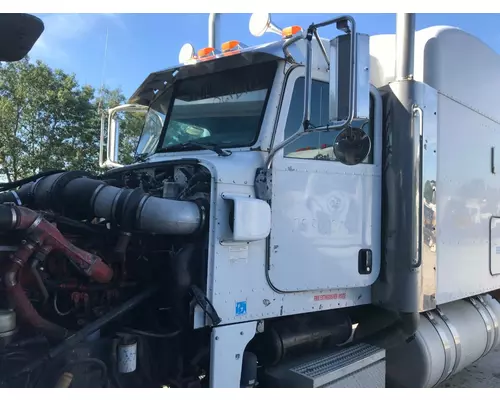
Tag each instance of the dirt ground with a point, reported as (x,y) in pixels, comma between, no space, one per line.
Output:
(483,374)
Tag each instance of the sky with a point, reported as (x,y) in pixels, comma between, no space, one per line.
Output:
(139,44)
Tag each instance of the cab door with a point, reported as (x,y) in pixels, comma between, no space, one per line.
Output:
(326,216)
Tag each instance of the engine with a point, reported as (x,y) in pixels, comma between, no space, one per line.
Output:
(100,277)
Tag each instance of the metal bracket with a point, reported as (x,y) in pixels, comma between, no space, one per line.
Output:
(488,322)
(494,319)
(263,184)
(447,348)
(456,339)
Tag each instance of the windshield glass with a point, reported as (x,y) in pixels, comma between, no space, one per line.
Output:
(153,125)
(224,109)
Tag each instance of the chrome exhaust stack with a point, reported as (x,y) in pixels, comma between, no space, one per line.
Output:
(405,46)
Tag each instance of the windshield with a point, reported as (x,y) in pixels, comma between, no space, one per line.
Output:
(224,109)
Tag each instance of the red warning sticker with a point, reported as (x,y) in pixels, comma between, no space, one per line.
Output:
(331,296)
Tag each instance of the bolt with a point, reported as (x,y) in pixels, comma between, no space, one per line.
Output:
(217,338)
(237,356)
(241,333)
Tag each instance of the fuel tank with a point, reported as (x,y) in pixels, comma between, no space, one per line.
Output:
(449,339)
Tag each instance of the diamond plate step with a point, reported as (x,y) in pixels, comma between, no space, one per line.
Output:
(359,365)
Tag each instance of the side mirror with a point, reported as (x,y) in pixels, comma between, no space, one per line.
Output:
(113,128)
(350,77)
(349,64)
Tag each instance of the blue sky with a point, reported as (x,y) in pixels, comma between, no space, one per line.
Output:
(142,43)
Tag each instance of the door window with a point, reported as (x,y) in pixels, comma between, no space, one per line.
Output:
(317,145)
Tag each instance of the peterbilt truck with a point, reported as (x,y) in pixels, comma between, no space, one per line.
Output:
(298,215)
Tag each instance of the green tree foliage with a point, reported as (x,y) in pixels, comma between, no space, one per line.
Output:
(131,125)
(48,120)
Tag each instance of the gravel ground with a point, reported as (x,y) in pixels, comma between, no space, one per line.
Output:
(483,374)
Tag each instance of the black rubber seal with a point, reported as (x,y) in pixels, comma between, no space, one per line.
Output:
(116,217)
(203,207)
(129,211)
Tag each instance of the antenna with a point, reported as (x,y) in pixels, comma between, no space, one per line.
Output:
(103,72)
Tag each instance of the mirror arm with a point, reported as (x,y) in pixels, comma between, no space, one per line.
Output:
(342,24)
(289,42)
(101,143)
(322,48)
(308,81)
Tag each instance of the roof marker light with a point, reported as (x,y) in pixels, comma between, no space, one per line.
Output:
(232,47)
(290,31)
(206,52)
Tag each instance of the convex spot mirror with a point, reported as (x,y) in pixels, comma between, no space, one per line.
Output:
(352,146)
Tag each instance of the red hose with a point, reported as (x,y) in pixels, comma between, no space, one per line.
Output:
(18,298)
(29,315)
(88,263)
(47,238)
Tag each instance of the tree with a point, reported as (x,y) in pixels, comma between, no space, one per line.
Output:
(131,127)
(49,121)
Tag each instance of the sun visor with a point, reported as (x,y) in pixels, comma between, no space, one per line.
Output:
(159,80)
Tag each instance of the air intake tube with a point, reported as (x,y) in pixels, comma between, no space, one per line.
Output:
(78,196)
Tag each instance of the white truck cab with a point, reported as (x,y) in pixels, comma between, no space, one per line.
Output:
(319,151)
(316,212)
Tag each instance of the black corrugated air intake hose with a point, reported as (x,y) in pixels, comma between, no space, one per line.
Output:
(79,196)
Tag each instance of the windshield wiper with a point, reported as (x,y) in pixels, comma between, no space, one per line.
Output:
(196,145)
(141,157)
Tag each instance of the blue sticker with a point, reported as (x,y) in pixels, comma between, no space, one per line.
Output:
(241,308)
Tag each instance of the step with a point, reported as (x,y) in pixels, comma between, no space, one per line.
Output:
(356,366)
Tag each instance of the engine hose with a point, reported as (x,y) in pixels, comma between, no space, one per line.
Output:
(19,299)
(50,238)
(44,237)
(19,197)
(77,195)
(33,178)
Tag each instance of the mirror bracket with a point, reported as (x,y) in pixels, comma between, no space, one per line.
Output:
(347,24)
(112,147)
